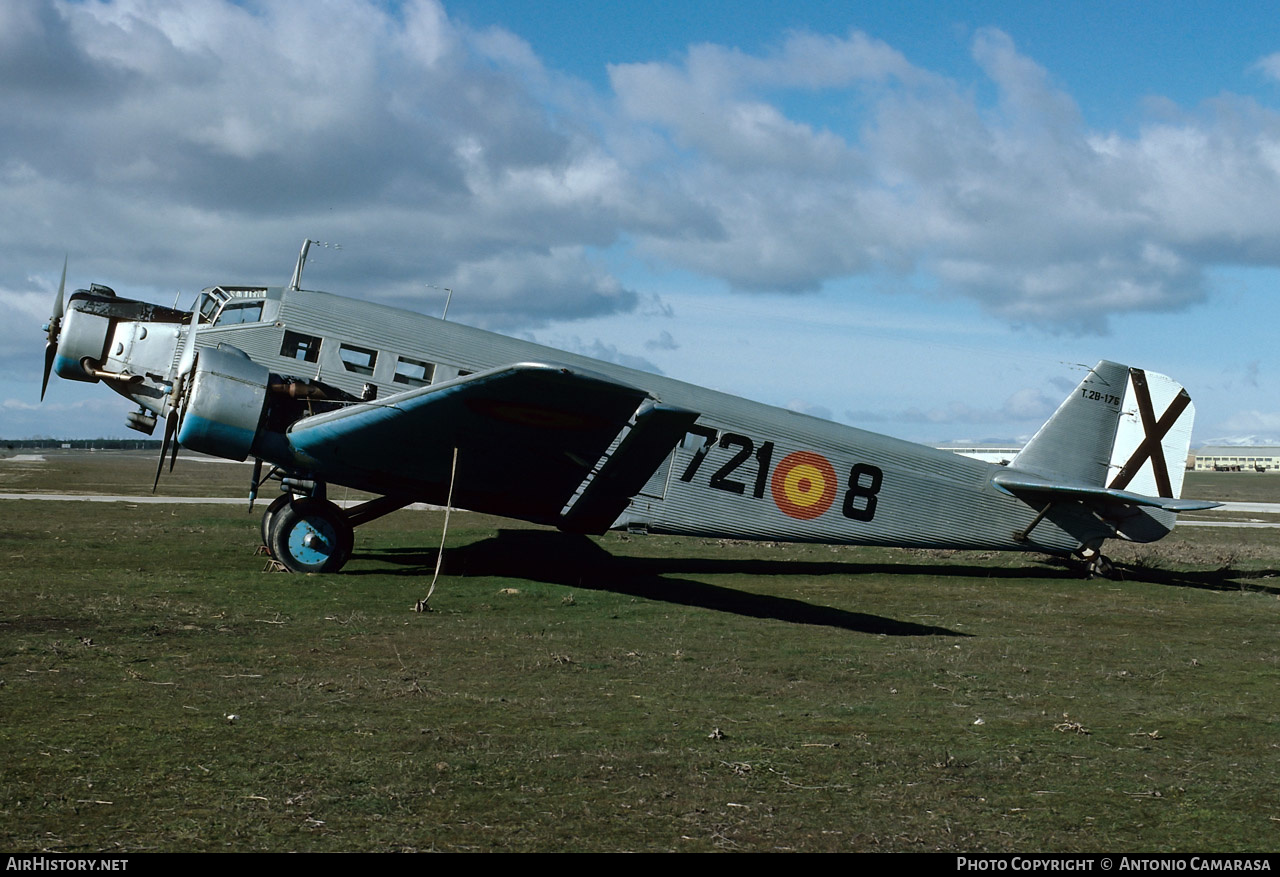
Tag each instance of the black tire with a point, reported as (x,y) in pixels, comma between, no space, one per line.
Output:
(1102,566)
(276,505)
(311,535)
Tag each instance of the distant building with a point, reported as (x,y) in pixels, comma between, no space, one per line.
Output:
(1238,458)
(987,454)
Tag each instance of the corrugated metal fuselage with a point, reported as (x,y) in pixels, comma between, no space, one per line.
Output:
(747,471)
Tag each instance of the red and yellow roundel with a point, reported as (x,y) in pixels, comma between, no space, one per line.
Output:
(804,485)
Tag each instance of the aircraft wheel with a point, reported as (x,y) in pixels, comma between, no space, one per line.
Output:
(1101,566)
(272,510)
(311,535)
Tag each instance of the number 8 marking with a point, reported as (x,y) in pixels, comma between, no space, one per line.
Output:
(859,491)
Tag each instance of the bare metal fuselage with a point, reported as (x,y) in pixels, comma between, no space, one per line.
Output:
(745,470)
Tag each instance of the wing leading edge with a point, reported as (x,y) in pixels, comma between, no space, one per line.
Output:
(536,441)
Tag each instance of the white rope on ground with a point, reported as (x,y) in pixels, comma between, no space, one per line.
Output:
(421,605)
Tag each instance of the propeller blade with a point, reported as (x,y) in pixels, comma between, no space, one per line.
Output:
(62,284)
(55,327)
(170,427)
(50,351)
(177,399)
(255,481)
(173,458)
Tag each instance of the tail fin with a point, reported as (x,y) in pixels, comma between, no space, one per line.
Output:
(1122,428)
(1119,445)
(1076,443)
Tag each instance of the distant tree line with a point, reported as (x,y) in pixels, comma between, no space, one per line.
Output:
(100,444)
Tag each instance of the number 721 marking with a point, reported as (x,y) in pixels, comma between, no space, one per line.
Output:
(859,500)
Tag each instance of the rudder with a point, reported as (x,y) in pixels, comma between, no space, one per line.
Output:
(1122,428)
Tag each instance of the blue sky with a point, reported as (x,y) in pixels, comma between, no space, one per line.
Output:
(925,219)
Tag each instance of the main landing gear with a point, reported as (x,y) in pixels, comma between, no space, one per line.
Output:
(311,534)
(308,534)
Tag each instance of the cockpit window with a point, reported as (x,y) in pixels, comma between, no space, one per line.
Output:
(239,312)
(208,306)
(232,305)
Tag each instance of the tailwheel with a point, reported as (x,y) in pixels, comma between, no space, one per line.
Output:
(272,510)
(1097,564)
(310,535)
(1102,566)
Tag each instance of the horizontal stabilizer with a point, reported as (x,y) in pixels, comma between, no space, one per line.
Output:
(1019,484)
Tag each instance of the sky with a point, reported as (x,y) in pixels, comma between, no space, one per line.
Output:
(923,219)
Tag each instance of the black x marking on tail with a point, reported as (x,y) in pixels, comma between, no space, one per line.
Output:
(1155,430)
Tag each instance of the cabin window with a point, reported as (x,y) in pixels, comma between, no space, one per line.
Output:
(240,312)
(299,346)
(413,372)
(358,359)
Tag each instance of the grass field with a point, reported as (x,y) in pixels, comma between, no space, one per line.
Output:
(160,692)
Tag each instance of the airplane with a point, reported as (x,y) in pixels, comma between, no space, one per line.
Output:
(328,390)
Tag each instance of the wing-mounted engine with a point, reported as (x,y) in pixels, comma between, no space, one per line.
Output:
(226,404)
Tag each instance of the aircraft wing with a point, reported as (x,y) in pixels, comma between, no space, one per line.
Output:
(1023,484)
(536,441)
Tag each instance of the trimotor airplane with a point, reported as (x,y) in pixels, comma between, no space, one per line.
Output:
(331,390)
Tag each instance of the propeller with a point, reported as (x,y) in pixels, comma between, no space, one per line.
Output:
(177,398)
(255,482)
(53,329)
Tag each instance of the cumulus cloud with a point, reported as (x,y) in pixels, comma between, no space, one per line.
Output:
(598,349)
(800,406)
(1022,408)
(1269,66)
(168,146)
(527,289)
(1018,205)
(664,341)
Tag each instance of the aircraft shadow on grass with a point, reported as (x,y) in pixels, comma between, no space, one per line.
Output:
(577,561)
(1226,578)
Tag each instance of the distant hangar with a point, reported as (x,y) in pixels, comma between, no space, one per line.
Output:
(1211,458)
(1240,458)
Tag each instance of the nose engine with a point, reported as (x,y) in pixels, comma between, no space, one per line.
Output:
(214,399)
(82,342)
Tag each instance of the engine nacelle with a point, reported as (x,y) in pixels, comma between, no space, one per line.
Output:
(84,336)
(225,405)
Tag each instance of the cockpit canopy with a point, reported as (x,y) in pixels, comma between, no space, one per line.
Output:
(232,305)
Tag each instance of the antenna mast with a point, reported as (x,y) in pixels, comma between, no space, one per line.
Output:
(295,283)
(447,299)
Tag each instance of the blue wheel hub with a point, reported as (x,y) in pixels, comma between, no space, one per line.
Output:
(313,540)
